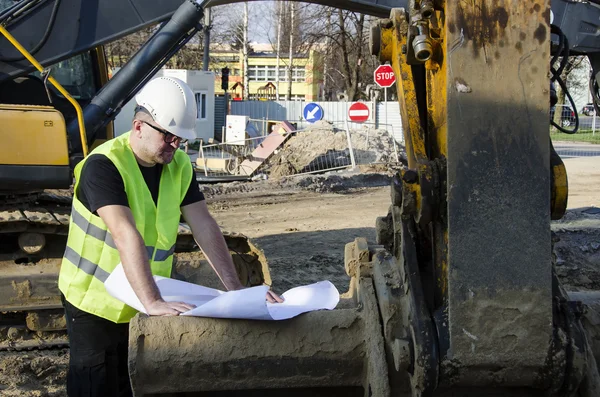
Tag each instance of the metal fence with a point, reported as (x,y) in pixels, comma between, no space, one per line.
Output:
(301,152)
(261,112)
(584,143)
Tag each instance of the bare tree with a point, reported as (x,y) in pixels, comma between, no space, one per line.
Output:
(345,50)
(341,40)
(238,40)
(291,51)
(571,76)
(245,51)
(120,51)
(327,45)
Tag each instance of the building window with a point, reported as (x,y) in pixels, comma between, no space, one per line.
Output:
(201,105)
(268,73)
(225,59)
(298,74)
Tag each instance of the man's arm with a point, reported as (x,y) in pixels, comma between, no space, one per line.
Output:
(134,258)
(207,234)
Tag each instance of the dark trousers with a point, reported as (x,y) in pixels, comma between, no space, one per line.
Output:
(98,355)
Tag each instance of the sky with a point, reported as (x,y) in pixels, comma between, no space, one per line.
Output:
(261,24)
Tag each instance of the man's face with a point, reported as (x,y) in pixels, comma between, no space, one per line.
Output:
(159,145)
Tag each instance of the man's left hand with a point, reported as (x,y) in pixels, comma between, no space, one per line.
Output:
(272,297)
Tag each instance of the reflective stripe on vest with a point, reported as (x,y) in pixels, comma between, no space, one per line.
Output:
(85,265)
(91,252)
(104,236)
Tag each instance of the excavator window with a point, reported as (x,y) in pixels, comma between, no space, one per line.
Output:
(76,76)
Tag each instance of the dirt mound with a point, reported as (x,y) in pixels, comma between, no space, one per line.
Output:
(34,374)
(322,146)
(339,183)
(576,240)
(220,189)
(330,182)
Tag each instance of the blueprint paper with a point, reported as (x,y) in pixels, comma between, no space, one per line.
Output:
(248,303)
(298,300)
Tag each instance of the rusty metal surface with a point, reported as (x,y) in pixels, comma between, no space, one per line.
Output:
(46,320)
(29,287)
(478,189)
(499,253)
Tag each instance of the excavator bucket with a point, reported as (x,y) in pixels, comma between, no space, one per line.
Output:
(339,352)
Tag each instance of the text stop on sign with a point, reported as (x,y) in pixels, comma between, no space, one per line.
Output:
(384,76)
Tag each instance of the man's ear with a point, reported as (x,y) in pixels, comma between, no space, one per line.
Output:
(136,128)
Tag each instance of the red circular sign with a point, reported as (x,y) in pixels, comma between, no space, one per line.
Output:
(384,76)
(358,112)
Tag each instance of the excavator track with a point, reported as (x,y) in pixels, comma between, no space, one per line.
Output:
(33,236)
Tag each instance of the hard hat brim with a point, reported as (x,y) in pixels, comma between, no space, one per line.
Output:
(190,135)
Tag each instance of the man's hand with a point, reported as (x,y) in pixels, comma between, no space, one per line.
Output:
(161,308)
(272,297)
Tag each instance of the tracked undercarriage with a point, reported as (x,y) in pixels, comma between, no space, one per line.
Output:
(33,235)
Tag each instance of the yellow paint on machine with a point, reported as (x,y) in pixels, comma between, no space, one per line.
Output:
(32,135)
(560,191)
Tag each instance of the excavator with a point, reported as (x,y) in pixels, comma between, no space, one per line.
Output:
(457,297)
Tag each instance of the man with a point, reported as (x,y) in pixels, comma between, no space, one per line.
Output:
(129,195)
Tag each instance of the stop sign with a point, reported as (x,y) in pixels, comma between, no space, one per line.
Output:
(384,76)
(358,112)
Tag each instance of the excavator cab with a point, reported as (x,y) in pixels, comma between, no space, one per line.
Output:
(34,115)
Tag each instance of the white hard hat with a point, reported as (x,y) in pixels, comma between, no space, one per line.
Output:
(172,105)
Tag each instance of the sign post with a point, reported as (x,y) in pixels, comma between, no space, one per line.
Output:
(384,77)
(358,112)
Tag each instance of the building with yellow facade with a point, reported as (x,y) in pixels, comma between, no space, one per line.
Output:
(307,74)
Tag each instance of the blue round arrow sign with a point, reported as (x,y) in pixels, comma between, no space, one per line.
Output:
(312,112)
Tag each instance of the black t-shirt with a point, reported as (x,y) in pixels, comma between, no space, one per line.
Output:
(101,184)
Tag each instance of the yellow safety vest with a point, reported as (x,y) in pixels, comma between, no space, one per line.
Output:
(91,254)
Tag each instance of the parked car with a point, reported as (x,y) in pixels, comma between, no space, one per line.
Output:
(588,109)
(567,116)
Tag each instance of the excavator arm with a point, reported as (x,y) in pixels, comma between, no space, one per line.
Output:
(54,30)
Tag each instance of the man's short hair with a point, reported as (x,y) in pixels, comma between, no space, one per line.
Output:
(141,112)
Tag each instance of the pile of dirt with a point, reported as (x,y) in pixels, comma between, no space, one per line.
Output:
(221,189)
(331,182)
(33,374)
(338,182)
(322,146)
(576,240)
